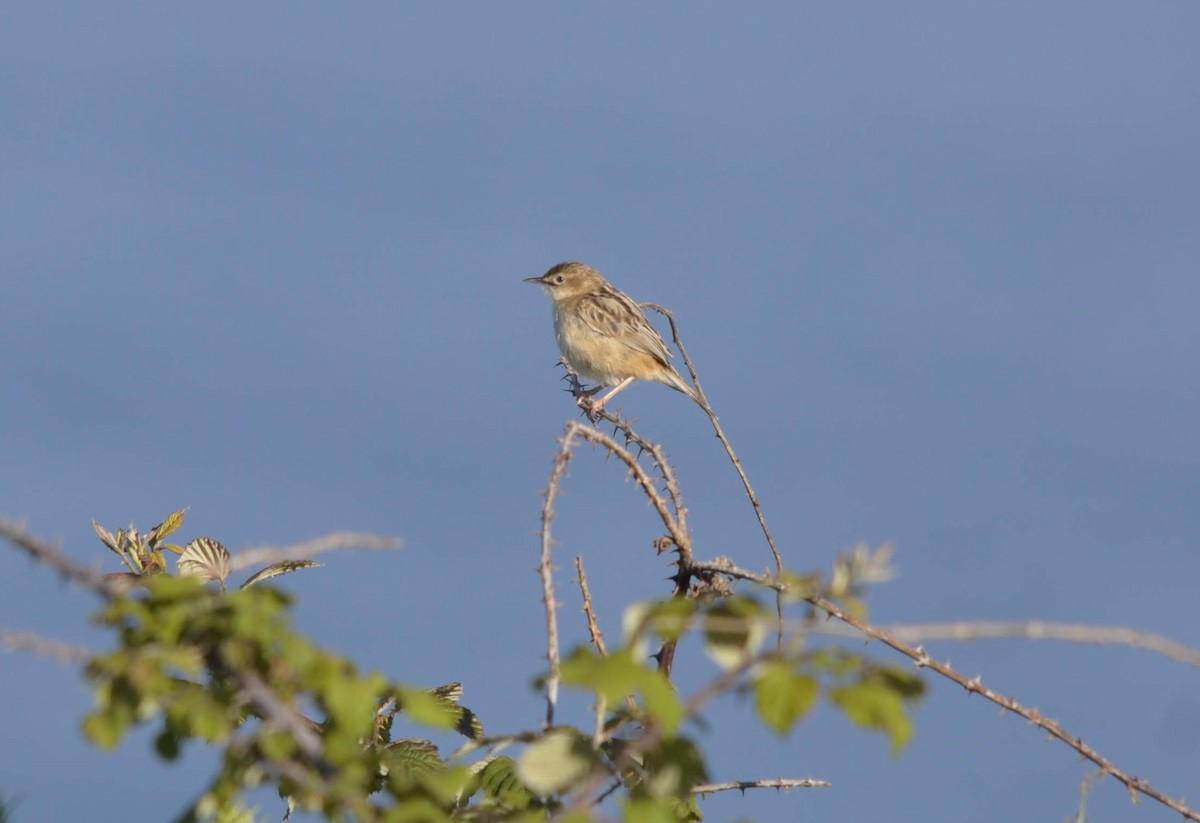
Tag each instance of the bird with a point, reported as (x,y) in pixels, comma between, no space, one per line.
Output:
(604,336)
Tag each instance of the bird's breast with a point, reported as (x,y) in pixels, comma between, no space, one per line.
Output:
(597,358)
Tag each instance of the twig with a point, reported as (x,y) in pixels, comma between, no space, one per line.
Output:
(1085,786)
(968,630)
(598,641)
(733,458)
(55,650)
(742,785)
(336,541)
(588,610)
(546,570)
(308,782)
(721,567)
(494,741)
(50,555)
(275,712)
(975,685)
(600,798)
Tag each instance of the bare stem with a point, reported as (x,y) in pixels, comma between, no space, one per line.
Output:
(47,647)
(968,630)
(779,783)
(337,541)
(546,570)
(50,555)
(588,610)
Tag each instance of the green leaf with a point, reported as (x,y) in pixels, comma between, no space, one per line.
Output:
(633,627)
(407,759)
(649,810)
(907,684)
(671,618)
(733,631)
(782,696)
(576,816)
(676,765)
(167,744)
(466,722)
(432,709)
(836,661)
(612,677)
(277,747)
(557,761)
(169,526)
(662,701)
(450,691)
(499,782)
(799,586)
(106,728)
(619,674)
(276,569)
(874,705)
(445,785)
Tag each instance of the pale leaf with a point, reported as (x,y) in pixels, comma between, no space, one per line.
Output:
(205,558)
(276,569)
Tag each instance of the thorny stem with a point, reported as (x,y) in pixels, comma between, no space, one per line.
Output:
(733,458)
(742,785)
(547,573)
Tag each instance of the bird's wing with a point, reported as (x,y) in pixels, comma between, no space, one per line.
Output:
(615,315)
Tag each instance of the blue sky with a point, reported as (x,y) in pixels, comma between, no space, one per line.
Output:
(936,263)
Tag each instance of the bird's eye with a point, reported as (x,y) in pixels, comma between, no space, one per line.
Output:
(559,279)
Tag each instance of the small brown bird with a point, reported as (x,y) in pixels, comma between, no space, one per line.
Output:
(603,335)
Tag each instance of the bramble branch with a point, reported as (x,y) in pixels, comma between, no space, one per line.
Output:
(743,785)
(337,541)
(55,650)
(545,570)
(970,630)
(50,555)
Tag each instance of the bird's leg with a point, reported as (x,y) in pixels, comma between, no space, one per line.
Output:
(571,376)
(599,404)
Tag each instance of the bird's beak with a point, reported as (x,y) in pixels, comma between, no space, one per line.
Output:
(537,280)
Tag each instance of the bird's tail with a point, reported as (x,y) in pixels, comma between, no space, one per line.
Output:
(672,378)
